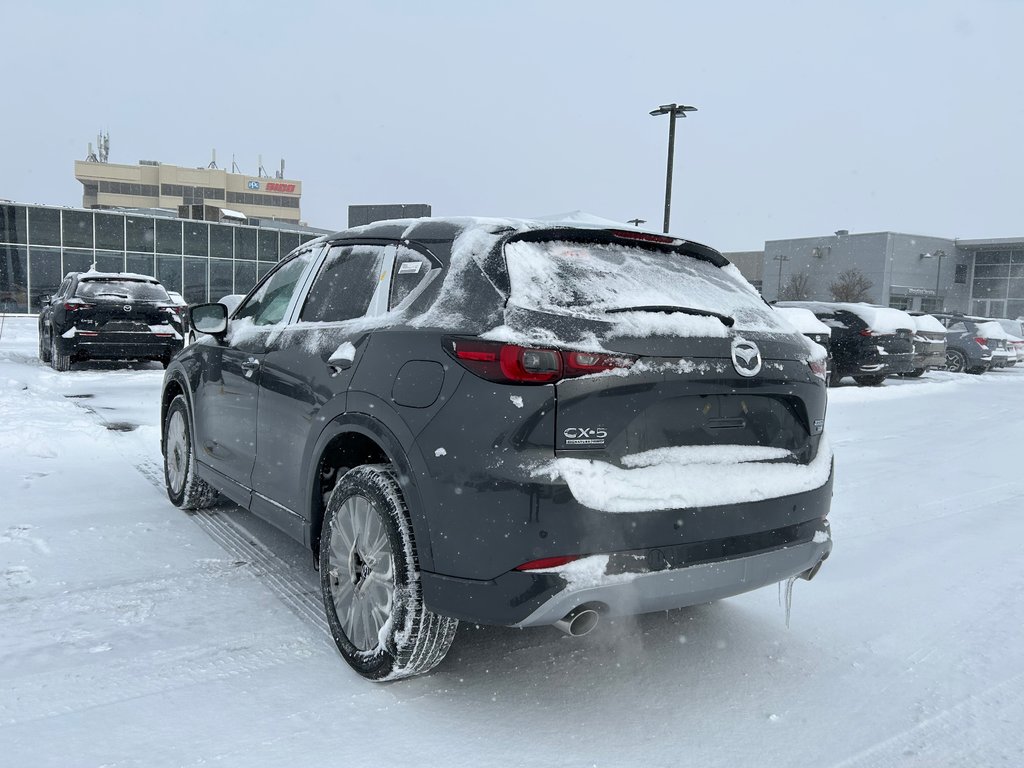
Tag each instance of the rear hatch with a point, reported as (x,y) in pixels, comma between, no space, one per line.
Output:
(114,307)
(686,353)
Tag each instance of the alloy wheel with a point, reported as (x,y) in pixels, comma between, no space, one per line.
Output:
(361,573)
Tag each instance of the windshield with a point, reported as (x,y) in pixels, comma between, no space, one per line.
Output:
(136,290)
(595,280)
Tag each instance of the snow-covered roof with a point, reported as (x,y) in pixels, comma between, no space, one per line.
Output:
(881,319)
(803,320)
(582,217)
(93,275)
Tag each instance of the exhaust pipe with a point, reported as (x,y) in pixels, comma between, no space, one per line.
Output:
(578,621)
(811,572)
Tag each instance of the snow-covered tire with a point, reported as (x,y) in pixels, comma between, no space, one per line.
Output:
(184,488)
(870,381)
(58,360)
(370,580)
(44,348)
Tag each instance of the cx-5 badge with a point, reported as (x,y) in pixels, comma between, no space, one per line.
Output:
(746,357)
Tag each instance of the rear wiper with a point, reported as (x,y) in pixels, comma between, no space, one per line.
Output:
(670,310)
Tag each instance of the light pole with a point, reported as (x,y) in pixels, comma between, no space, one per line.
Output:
(673,111)
(781,258)
(940,255)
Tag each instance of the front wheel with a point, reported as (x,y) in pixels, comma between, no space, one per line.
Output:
(914,374)
(869,381)
(184,488)
(370,580)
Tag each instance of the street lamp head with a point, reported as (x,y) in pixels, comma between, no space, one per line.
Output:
(679,110)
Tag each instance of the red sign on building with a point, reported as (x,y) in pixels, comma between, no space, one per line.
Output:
(274,186)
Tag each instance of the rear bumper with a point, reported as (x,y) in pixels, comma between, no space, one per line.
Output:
(669,589)
(653,578)
(121,346)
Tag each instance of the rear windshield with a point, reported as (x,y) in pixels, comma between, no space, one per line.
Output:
(136,290)
(588,280)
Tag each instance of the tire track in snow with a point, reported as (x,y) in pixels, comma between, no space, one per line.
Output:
(981,729)
(146,675)
(277,575)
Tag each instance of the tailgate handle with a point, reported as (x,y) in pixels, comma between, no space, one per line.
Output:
(726,423)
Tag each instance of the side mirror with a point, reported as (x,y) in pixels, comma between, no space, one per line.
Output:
(45,298)
(209,318)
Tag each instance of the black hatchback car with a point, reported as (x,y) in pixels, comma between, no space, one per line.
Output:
(869,343)
(509,423)
(109,316)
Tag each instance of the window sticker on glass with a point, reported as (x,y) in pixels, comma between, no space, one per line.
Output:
(409,267)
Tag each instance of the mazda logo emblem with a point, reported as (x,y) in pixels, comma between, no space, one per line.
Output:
(746,357)
(127,307)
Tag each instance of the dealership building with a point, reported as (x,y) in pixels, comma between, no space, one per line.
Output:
(913,272)
(151,184)
(201,259)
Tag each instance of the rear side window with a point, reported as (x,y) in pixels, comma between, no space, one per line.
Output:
(345,284)
(589,280)
(134,290)
(411,269)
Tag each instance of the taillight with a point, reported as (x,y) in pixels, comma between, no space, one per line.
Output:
(818,368)
(866,332)
(546,562)
(515,364)
(73,305)
(980,340)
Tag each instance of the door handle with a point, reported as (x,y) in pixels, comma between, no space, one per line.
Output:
(249,366)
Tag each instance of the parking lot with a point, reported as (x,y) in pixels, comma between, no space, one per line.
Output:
(198,639)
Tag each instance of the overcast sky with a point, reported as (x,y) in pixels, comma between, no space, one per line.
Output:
(812,116)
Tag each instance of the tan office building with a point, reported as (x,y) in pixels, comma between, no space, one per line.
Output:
(157,185)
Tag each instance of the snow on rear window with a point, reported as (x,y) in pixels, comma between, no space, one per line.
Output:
(992,330)
(136,290)
(929,324)
(804,320)
(587,280)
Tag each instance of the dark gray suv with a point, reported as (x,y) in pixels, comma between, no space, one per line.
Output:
(509,423)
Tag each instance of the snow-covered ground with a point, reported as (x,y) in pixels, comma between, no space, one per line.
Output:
(134,634)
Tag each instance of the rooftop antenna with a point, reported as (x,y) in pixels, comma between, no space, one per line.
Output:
(234,165)
(636,222)
(280,174)
(262,172)
(103,144)
(91,157)
(213,161)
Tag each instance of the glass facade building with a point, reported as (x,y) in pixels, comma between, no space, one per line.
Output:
(997,287)
(201,260)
